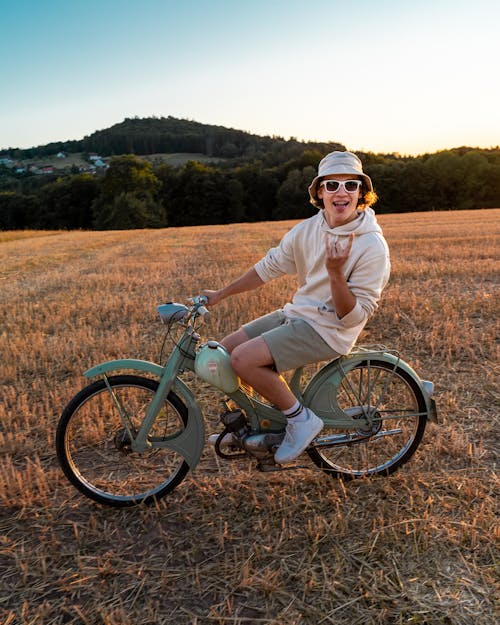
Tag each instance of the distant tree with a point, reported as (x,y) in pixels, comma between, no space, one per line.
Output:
(203,195)
(448,175)
(128,211)
(229,150)
(308,158)
(129,185)
(128,174)
(293,197)
(8,181)
(463,178)
(67,202)
(481,181)
(260,187)
(17,210)
(390,186)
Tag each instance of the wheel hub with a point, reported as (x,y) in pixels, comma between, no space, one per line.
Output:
(122,442)
(367,429)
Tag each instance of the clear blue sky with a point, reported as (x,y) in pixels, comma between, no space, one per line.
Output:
(381,75)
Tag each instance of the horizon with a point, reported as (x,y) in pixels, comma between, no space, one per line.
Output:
(383,76)
(456,147)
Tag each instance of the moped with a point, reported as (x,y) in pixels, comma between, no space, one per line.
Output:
(131,438)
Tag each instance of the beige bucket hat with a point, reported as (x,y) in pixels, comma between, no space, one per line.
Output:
(338,163)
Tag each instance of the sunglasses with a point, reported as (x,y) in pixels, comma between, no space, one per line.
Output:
(331,186)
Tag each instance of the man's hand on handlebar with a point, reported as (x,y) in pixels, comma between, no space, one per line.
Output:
(214,297)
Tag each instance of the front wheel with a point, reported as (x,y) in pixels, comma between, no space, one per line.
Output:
(94,448)
(399,414)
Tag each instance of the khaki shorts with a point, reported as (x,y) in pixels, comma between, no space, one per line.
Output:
(292,342)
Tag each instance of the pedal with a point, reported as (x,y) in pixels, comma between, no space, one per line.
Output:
(269,467)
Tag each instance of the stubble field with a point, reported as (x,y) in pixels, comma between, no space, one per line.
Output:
(230,545)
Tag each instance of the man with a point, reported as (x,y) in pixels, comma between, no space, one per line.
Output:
(341,260)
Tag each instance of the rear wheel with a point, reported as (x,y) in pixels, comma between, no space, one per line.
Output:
(398,413)
(94,448)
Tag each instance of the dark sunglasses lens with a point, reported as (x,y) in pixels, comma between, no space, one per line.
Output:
(332,185)
(351,185)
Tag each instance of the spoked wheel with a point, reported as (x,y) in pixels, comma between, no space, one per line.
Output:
(94,446)
(398,416)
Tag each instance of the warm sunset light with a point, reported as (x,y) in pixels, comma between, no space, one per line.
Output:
(232,545)
(382,76)
(249,260)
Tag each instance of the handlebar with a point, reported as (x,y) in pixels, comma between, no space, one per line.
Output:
(204,312)
(199,299)
(172,311)
(199,308)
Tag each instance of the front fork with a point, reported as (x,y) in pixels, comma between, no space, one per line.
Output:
(190,442)
(127,423)
(139,439)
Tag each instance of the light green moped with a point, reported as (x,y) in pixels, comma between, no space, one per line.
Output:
(127,439)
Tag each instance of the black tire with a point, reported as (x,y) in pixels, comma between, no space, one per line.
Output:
(94,451)
(401,416)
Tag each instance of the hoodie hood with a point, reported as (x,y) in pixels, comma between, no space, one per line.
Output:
(365,222)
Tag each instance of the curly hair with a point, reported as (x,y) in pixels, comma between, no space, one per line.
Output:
(368,198)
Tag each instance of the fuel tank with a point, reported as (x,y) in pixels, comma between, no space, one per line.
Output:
(213,364)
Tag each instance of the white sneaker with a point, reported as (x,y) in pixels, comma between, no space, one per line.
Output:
(229,440)
(298,435)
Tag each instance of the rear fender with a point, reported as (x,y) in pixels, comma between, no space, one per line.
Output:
(322,387)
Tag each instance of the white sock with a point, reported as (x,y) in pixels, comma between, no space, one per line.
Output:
(296,413)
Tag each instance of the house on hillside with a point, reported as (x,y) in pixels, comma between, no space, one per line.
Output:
(98,164)
(60,155)
(45,169)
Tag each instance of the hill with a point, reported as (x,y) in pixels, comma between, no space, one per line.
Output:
(152,135)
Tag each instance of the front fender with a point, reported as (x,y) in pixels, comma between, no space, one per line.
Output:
(125,363)
(191,441)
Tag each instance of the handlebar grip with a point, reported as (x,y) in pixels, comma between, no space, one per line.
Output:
(204,312)
(198,300)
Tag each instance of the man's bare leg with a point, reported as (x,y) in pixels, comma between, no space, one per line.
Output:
(233,340)
(252,361)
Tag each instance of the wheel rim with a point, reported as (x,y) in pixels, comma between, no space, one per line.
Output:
(398,414)
(98,447)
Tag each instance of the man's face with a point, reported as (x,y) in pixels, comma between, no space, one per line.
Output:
(340,206)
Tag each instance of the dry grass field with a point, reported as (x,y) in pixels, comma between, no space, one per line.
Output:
(230,545)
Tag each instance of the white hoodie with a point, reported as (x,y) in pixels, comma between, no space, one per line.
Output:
(302,252)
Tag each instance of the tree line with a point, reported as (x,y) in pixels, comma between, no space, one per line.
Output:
(132,193)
